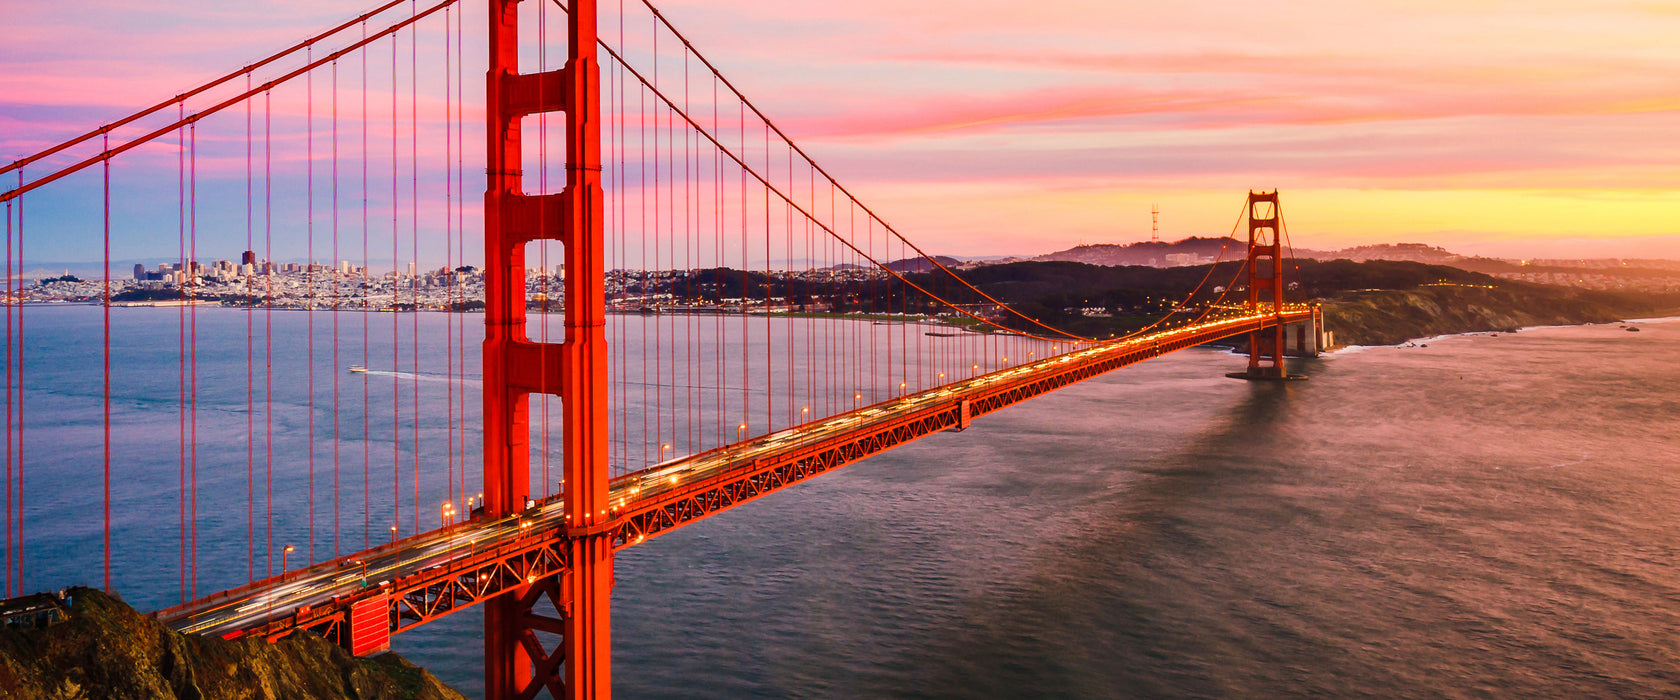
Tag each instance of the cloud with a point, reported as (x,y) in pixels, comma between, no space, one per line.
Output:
(1021,113)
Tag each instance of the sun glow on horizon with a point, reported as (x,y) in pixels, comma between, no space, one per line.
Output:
(989,128)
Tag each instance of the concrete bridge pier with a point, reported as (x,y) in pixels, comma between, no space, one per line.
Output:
(1297,339)
(1305,338)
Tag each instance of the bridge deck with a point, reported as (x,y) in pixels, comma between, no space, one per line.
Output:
(436,573)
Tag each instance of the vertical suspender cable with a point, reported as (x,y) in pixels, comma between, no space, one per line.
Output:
(811,320)
(717,342)
(337,277)
(21,338)
(658,347)
(192,312)
(874,307)
(181,346)
(309,281)
(365,283)
(11,548)
(687,266)
(746,374)
(414,245)
(448,262)
(460,243)
(250,353)
(22,544)
(769,344)
(268,328)
(787,291)
(642,259)
(542,248)
(105,297)
(396,345)
(621,346)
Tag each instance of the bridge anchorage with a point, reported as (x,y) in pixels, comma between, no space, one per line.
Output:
(1268,347)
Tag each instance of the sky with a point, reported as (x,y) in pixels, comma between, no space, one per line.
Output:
(1542,128)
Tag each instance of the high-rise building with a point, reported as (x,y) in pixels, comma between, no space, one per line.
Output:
(248,258)
(139,272)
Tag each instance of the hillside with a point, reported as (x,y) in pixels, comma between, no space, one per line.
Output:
(1644,275)
(1366,303)
(1152,253)
(107,650)
(1389,316)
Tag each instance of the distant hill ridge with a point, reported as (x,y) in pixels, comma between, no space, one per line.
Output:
(1151,253)
(1154,254)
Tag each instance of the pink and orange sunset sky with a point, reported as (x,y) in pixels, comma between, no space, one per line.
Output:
(1542,128)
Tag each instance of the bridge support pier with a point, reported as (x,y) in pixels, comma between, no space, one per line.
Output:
(518,662)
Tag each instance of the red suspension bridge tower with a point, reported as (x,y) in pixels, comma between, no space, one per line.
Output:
(517,662)
(1266,346)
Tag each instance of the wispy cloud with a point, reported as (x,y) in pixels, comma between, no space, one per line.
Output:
(1066,113)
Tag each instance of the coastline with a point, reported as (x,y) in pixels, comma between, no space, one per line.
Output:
(1356,349)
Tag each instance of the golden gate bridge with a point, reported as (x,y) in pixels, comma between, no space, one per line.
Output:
(812,334)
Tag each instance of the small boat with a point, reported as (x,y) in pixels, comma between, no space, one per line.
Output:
(357,368)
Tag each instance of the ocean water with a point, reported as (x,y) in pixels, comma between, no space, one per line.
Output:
(1490,515)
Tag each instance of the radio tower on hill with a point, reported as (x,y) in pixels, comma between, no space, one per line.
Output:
(1155,223)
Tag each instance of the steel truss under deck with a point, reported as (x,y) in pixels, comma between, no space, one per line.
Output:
(529,565)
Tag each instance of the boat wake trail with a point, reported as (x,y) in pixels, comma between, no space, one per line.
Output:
(417,376)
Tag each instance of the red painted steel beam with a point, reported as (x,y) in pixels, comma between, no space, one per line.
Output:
(516,664)
(585,590)
(643,518)
(506,419)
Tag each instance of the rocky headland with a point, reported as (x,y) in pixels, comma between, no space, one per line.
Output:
(105,649)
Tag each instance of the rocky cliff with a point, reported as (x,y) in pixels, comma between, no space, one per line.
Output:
(107,650)
(1387,317)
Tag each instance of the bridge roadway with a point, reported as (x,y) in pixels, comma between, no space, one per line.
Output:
(436,573)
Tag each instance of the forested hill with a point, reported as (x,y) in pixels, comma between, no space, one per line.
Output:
(1371,302)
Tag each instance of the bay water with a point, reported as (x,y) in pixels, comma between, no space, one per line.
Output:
(1470,516)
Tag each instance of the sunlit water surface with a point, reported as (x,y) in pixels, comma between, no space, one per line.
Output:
(1490,515)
